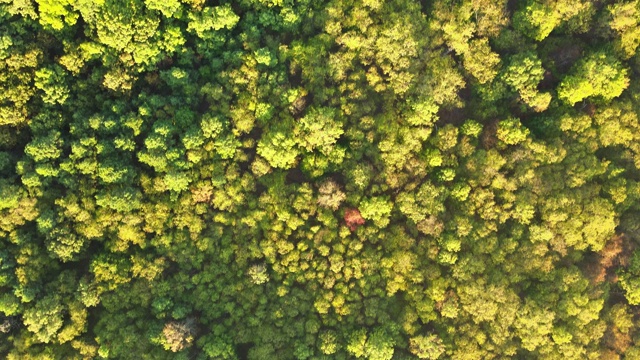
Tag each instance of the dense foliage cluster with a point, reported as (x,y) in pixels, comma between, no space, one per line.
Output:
(311,179)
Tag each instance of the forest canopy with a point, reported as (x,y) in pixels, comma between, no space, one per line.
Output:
(311,179)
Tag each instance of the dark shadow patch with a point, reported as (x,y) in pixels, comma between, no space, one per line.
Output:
(453,116)
(242,350)
(295,176)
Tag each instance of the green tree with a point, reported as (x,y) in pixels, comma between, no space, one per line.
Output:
(629,280)
(512,132)
(426,347)
(319,129)
(536,19)
(44,319)
(376,209)
(625,21)
(212,18)
(277,148)
(523,73)
(597,74)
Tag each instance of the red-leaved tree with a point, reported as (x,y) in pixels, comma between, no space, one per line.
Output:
(353,218)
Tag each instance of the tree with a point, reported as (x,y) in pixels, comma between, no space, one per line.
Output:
(534,325)
(45,148)
(328,342)
(624,20)
(426,347)
(44,319)
(56,14)
(177,335)
(277,148)
(167,8)
(353,218)
(379,345)
(536,20)
(376,209)
(597,74)
(629,280)
(212,18)
(511,131)
(331,196)
(480,61)
(258,274)
(523,73)
(319,129)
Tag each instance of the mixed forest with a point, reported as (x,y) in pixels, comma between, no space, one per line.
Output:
(319,179)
